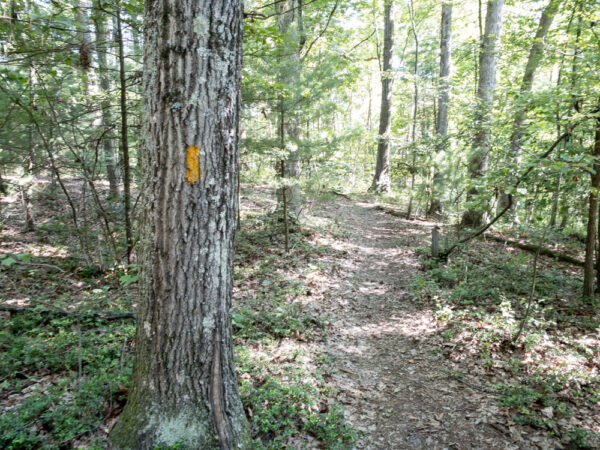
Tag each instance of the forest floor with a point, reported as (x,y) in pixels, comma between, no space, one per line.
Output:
(421,354)
(353,339)
(397,385)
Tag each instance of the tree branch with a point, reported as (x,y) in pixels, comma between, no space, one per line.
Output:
(444,255)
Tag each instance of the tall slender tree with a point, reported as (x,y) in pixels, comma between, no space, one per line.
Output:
(441,123)
(415,108)
(381,180)
(590,237)
(479,159)
(184,385)
(108,142)
(290,24)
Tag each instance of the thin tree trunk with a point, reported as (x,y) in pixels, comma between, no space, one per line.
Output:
(108,145)
(531,211)
(479,159)
(590,236)
(381,179)
(555,198)
(27,186)
(441,125)
(125,145)
(184,384)
(415,109)
(290,24)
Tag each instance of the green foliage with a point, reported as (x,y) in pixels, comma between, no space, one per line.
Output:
(41,353)
(132,276)
(283,405)
(545,375)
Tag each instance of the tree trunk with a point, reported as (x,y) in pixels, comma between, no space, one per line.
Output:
(291,27)
(184,384)
(590,237)
(555,199)
(125,144)
(441,125)
(415,109)
(108,144)
(533,61)
(28,175)
(479,159)
(381,180)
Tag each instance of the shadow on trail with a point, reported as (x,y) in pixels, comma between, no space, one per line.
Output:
(396,386)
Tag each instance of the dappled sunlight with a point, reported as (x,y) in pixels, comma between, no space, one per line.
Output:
(412,325)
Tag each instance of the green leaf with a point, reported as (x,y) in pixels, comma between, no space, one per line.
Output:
(25,257)
(7,262)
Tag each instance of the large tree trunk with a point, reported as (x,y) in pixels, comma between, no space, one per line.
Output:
(533,61)
(381,180)
(479,159)
(590,237)
(184,385)
(108,145)
(441,125)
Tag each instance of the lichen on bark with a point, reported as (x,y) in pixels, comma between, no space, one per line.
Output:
(184,387)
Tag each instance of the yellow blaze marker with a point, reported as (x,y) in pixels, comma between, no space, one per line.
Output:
(193,164)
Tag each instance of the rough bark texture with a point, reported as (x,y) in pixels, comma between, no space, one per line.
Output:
(441,125)
(533,61)
(479,160)
(381,180)
(184,385)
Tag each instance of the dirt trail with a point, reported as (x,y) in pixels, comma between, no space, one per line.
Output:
(396,390)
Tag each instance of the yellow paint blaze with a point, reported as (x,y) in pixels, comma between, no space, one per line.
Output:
(193,164)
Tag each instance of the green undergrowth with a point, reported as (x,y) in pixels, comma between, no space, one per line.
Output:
(282,389)
(63,375)
(548,377)
(284,399)
(64,378)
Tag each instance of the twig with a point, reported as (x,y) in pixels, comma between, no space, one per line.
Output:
(532,291)
(347,197)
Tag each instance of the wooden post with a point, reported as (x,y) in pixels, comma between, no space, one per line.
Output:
(435,242)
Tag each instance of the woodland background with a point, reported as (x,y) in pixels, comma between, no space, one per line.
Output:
(70,120)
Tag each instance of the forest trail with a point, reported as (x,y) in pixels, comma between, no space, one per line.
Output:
(396,388)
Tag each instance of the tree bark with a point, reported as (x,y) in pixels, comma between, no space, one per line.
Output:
(479,159)
(441,125)
(415,109)
(125,145)
(381,180)
(536,248)
(184,385)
